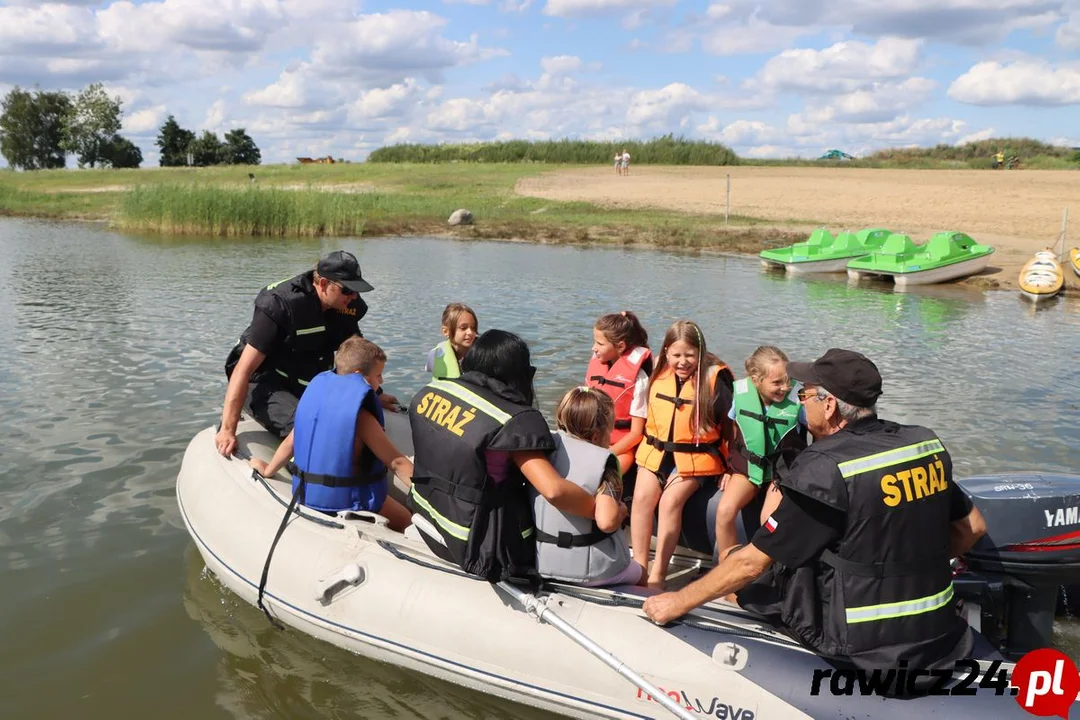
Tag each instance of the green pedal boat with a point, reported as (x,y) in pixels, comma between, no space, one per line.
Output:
(947,256)
(823,253)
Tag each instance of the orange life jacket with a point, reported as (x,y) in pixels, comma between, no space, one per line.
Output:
(705,454)
(618,383)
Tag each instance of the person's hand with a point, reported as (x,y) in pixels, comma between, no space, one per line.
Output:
(663,608)
(259,465)
(225,440)
(389,402)
(723,481)
(623,512)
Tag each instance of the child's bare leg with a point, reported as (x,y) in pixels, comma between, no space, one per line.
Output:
(772,499)
(737,495)
(398,515)
(669,526)
(646,496)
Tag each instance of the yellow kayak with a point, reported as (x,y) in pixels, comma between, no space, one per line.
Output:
(1074,260)
(1041,277)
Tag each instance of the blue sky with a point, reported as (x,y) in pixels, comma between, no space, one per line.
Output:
(771,79)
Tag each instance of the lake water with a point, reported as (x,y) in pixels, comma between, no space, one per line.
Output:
(113,354)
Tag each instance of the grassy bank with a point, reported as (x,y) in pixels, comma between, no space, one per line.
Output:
(370,199)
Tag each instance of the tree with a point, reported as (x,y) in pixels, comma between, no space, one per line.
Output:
(240,149)
(91,123)
(122,153)
(173,142)
(31,129)
(205,150)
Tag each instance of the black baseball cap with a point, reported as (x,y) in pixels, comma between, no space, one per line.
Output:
(341,266)
(848,375)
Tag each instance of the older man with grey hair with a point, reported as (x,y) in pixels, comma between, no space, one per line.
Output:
(862,538)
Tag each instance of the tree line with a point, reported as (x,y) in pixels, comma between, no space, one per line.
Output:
(40,128)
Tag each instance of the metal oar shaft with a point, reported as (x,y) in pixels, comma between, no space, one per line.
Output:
(535,607)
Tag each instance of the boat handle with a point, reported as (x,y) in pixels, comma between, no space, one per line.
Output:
(351,574)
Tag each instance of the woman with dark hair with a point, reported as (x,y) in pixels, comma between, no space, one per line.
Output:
(478,440)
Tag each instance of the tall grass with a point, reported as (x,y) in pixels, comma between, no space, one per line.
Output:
(979,154)
(666,150)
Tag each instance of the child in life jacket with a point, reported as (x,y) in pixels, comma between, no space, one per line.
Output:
(586,551)
(620,366)
(768,423)
(338,442)
(684,449)
(459,327)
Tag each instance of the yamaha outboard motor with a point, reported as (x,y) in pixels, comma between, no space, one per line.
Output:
(1031,548)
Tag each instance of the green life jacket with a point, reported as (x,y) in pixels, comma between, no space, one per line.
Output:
(762,432)
(444,366)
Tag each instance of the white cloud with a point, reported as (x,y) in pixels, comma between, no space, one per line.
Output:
(383,103)
(144,120)
(561,64)
(740,133)
(215,116)
(578,8)
(668,107)
(395,44)
(959,21)
(843,67)
(881,102)
(290,90)
(1031,82)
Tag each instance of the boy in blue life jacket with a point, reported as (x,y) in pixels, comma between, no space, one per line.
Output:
(338,442)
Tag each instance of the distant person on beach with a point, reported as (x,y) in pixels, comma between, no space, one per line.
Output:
(618,163)
(295,329)
(625,162)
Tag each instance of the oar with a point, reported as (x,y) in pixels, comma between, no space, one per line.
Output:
(539,609)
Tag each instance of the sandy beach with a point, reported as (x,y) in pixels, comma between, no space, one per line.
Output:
(1016,212)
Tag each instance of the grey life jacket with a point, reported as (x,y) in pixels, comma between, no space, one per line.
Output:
(571,548)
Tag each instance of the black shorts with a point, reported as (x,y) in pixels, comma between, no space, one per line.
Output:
(667,466)
(272,406)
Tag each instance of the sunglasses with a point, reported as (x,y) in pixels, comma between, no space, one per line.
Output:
(805,395)
(344,290)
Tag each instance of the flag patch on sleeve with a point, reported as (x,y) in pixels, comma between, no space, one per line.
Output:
(771,524)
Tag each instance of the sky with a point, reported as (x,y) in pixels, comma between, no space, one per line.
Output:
(783,78)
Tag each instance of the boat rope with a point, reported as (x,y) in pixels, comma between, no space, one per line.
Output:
(315,519)
(266,566)
(614,600)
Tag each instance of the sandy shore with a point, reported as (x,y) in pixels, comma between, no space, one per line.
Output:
(1017,212)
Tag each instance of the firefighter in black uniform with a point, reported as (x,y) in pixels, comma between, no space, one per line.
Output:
(862,538)
(296,327)
(478,440)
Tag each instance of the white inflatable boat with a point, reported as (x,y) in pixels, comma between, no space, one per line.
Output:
(351,581)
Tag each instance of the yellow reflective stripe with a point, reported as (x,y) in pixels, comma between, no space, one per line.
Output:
(890,457)
(459,531)
(899,609)
(311,330)
(285,375)
(473,399)
(526,534)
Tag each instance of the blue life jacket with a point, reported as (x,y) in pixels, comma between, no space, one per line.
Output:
(323,434)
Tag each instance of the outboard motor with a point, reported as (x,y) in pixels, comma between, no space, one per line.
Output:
(1031,548)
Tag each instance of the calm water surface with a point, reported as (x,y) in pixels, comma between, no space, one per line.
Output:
(113,354)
